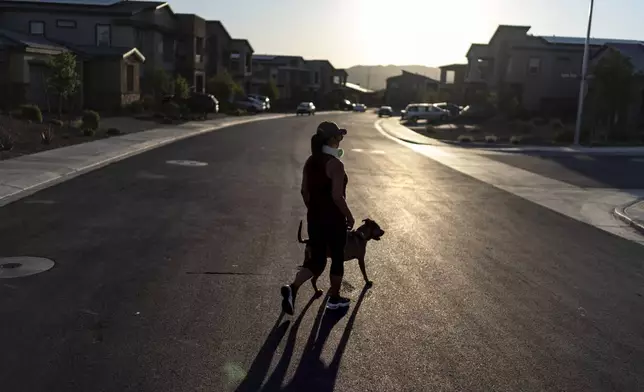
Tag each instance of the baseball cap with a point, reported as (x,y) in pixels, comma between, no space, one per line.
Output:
(329,129)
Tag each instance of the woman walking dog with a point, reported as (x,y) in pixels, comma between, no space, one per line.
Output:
(324,184)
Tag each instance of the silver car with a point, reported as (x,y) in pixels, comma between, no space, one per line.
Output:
(425,111)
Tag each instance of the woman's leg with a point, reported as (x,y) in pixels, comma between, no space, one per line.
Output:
(314,267)
(337,242)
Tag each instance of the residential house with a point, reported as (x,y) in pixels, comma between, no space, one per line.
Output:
(217,47)
(109,40)
(191,50)
(291,75)
(452,83)
(541,72)
(240,62)
(409,87)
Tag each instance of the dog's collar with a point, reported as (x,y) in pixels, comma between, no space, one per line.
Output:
(361,234)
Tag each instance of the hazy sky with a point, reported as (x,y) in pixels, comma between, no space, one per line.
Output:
(424,32)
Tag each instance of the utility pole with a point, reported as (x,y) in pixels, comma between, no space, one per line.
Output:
(368,78)
(584,76)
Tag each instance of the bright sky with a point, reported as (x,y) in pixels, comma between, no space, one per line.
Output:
(404,32)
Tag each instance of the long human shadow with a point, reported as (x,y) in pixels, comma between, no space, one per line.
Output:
(262,362)
(311,373)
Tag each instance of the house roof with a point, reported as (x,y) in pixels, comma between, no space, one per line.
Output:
(357,87)
(581,41)
(130,7)
(482,48)
(452,66)
(324,62)
(217,24)
(14,39)
(243,42)
(108,51)
(407,74)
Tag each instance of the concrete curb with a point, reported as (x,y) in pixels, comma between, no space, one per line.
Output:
(131,150)
(620,213)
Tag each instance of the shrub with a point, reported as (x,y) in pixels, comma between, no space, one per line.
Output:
(47,136)
(556,123)
(148,102)
(31,112)
(565,136)
(181,87)
(491,139)
(6,141)
(89,132)
(56,122)
(91,120)
(465,139)
(171,109)
(136,107)
(113,131)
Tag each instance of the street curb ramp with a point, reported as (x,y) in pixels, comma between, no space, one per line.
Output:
(620,213)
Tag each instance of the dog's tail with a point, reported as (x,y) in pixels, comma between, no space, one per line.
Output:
(299,235)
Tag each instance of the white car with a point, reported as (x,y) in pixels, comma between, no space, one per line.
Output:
(305,108)
(250,105)
(360,107)
(263,99)
(425,111)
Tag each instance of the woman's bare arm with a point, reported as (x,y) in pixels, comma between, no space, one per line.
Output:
(305,189)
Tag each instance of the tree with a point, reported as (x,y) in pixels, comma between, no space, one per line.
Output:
(611,91)
(64,79)
(162,83)
(223,86)
(271,91)
(181,87)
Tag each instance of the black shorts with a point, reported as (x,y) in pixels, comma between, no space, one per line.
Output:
(323,237)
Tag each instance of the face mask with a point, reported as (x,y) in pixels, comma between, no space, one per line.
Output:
(335,152)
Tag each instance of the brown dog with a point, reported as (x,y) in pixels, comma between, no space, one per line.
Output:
(356,247)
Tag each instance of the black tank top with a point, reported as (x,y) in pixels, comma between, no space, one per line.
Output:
(322,208)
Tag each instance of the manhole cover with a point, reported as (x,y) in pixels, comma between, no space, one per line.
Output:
(17,267)
(187,163)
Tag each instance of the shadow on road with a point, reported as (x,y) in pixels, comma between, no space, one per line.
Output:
(311,373)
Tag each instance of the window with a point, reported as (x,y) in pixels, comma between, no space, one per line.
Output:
(36,28)
(510,65)
(66,24)
(129,70)
(199,46)
(103,35)
(199,83)
(317,78)
(534,65)
(168,49)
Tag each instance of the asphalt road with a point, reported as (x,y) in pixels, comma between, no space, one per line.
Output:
(167,279)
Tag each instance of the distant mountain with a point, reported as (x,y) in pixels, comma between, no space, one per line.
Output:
(374,77)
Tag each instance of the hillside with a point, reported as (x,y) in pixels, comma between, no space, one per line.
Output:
(377,74)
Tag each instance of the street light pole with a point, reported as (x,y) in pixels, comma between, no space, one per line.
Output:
(584,76)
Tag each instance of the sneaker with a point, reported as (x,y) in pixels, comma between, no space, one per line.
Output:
(337,302)
(287,299)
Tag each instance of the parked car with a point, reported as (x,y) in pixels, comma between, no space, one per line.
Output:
(360,107)
(425,111)
(305,108)
(454,110)
(346,105)
(262,98)
(385,111)
(403,114)
(250,105)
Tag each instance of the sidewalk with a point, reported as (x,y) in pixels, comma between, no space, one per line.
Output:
(594,206)
(633,214)
(23,176)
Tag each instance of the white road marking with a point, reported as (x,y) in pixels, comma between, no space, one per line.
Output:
(357,150)
(368,151)
(591,206)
